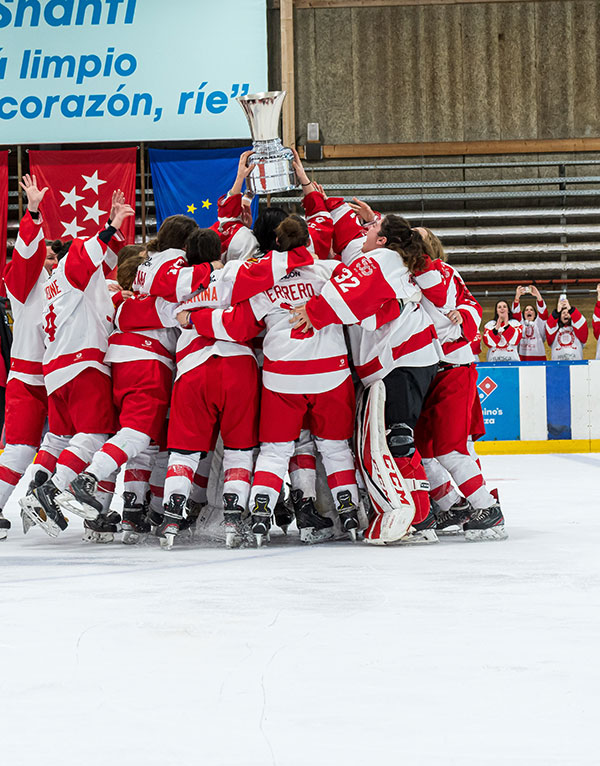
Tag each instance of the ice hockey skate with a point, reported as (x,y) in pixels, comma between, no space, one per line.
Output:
(38,479)
(4,526)
(134,525)
(41,508)
(313,527)
(283,515)
(232,515)
(168,529)
(80,497)
(348,514)
(422,533)
(486,523)
(260,522)
(452,521)
(102,529)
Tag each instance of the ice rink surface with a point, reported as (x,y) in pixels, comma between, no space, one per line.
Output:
(455,653)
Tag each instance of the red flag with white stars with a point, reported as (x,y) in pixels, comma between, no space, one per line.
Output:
(80,185)
(3,210)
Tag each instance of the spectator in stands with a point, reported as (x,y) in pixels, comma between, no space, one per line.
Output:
(566,331)
(596,322)
(533,324)
(502,335)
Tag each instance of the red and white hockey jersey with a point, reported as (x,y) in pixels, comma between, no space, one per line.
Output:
(443,291)
(567,342)
(145,329)
(367,291)
(25,279)
(78,310)
(294,362)
(596,327)
(532,346)
(503,344)
(237,240)
(169,275)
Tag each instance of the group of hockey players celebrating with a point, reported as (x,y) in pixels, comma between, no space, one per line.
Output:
(341,338)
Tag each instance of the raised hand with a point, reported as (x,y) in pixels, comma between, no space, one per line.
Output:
(598,290)
(243,172)
(119,212)
(34,195)
(362,209)
(118,198)
(301,174)
(519,292)
(535,292)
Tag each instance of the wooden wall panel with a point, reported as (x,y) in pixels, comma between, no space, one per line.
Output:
(453,72)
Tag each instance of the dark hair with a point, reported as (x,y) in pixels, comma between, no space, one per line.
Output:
(203,246)
(405,241)
(560,321)
(128,251)
(55,245)
(127,268)
(528,306)
(174,232)
(63,250)
(510,316)
(292,232)
(265,225)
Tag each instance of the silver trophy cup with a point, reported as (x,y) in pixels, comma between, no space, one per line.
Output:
(274,171)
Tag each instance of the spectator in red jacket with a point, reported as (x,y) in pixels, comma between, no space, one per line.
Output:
(502,335)
(566,332)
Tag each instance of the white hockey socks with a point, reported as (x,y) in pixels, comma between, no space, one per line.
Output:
(124,445)
(441,488)
(237,471)
(271,466)
(199,491)
(76,457)
(136,478)
(469,479)
(303,465)
(338,463)
(180,474)
(13,462)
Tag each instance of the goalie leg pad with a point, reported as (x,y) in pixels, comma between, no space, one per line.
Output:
(390,493)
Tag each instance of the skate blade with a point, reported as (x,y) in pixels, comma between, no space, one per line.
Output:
(132,538)
(37,516)
(419,537)
(67,502)
(353,535)
(261,538)
(452,531)
(166,542)
(485,535)
(26,522)
(311,536)
(89,536)
(233,540)
(3,533)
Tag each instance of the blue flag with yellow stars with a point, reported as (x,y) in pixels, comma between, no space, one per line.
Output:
(190,181)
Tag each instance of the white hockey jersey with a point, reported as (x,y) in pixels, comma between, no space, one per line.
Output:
(78,310)
(295,362)
(25,279)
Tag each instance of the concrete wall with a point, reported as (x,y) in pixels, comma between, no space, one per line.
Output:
(486,71)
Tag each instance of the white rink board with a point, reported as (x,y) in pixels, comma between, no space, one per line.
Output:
(478,654)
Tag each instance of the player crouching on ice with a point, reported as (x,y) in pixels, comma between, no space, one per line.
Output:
(305,379)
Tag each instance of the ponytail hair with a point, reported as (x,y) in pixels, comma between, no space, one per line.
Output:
(292,232)
(405,241)
(173,233)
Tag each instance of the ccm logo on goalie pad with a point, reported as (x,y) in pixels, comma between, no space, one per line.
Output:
(391,466)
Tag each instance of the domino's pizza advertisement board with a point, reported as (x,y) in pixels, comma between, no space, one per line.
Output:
(498,391)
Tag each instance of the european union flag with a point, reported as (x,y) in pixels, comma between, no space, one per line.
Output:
(190,181)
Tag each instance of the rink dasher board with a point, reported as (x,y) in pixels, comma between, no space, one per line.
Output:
(540,406)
